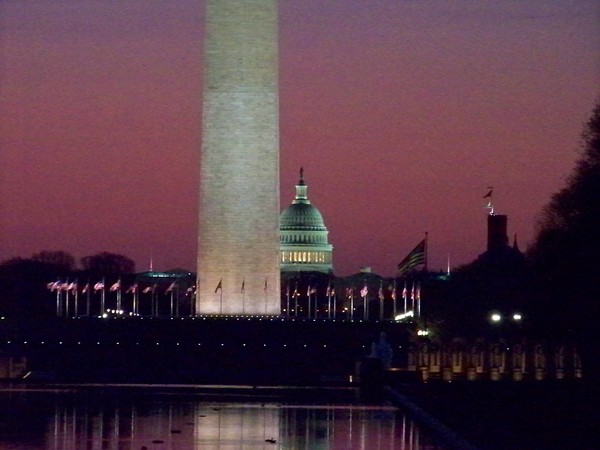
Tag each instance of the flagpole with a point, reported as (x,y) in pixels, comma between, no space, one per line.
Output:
(66,308)
(243,295)
(395,299)
(405,296)
(76,298)
(58,300)
(177,300)
(352,304)
(87,298)
(381,300)
(426,249)
(309,302)
(102,297)
(287,297)
(334,303)
(418,299)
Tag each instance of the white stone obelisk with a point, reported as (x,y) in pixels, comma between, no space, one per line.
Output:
(238,239)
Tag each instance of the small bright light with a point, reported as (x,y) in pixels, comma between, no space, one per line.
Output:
(405,315)
(422,332)
(496,317)
(517,316)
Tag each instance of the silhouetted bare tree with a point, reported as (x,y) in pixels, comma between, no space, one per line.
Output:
(108,264)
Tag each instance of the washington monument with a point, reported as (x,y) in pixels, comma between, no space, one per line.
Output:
(238,239)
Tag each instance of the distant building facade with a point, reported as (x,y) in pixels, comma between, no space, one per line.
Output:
(304,245)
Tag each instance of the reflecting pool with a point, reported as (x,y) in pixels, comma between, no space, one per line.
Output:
(144,417)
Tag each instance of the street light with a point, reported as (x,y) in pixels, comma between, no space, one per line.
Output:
(495,317)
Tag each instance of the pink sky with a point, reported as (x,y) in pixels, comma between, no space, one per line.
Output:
(401,112)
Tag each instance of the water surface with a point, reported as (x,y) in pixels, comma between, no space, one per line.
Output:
(167,417)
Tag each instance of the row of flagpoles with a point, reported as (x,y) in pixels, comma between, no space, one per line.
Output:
(410,308)
(69,292)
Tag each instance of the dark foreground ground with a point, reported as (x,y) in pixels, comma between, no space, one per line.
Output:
(528,415)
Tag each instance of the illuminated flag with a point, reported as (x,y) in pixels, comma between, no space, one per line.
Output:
(86,288)
(412,292)
(364,291)
(116,286)
(329,290)
(72,287)
(148,289)
(404,292)
(394,291)
(415,258)
(418,292)
(133,289)
(171,287)
(219,286)
(349,292)
(189,290)
(380,290)
(99,286)
(54,286)
(65,286)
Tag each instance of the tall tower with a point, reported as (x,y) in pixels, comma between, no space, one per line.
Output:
(238,239)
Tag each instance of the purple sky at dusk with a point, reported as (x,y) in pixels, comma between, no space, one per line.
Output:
(401,112)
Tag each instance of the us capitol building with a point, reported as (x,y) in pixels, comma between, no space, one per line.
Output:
(303,236)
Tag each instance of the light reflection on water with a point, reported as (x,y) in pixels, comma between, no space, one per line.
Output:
(160,420)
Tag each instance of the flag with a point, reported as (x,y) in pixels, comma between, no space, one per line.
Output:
(54,286)
(219,286)
(86,288)
(349,292)
(404,292)
(310,290)
(329,290)
(266,285)
(381,290)
(243,289)
(415,258)
(133,289)
(364,291)
(418,292)
(296,293)
(116,286)
(412,292)
(394,291)
(489,194)
(72,287)
(189,290)
(99,286)
(148,289)
(65,286)
(171,287)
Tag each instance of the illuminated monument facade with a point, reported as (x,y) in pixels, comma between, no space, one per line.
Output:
(238,239)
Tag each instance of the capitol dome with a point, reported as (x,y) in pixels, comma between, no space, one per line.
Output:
(303,236)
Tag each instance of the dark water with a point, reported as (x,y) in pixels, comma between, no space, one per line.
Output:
(134,418)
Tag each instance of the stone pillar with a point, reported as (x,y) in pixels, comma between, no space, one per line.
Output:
(238,239)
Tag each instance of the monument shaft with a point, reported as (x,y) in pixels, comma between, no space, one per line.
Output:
(238,239)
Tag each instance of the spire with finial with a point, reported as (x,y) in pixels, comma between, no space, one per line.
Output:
(301,188)
(515,244)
